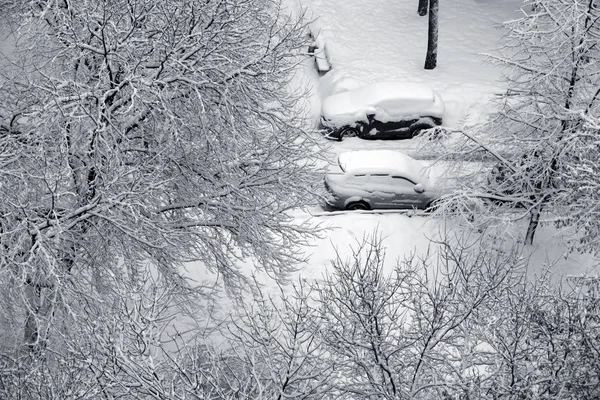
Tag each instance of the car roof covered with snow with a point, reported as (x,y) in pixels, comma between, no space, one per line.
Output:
(387,100)
(382,162)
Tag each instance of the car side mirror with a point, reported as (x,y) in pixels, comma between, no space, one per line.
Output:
(419,188)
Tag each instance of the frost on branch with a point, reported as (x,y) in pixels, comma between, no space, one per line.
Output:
(137,136)
(462,321)
(535,150)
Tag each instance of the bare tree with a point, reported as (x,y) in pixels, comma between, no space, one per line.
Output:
(391,331)
(432,35)
(158,341)
(138,136)
(535,341)
(457,322)
(462,321)
(539,142)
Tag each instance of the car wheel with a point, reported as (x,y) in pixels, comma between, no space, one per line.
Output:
(358,205)
(349,132)
(431,207)
(417,128)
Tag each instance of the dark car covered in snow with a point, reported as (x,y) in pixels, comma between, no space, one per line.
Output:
(384,110)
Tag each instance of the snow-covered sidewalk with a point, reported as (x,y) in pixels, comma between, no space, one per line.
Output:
(370,41)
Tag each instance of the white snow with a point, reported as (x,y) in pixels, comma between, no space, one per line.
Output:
(370,41)
(382,162)
(386,100)
(7,42)
(321,56)
(381,40)
(344,83)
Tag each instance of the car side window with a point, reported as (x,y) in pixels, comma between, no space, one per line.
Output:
(381,179)
(402,182)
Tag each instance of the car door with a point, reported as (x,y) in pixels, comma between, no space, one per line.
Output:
(405,195)
(380,188)
(391,125)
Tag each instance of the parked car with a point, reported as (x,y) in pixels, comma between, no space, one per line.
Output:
(379,179)
(384,110)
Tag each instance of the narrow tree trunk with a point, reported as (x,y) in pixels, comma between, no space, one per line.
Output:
(432,35)
(422,10)
(534,220)
(31,332)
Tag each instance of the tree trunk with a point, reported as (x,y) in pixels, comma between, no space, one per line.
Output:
(31,336)
(422,10)
(432,35)
(534,220)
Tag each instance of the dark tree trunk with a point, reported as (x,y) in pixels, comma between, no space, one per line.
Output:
(31,336)
(534,220)
(432,35)
(422,10)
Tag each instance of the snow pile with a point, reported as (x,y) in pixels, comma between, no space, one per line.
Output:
(343,83)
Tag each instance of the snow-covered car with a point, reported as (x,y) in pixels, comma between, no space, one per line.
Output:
(384,110)
(379,179)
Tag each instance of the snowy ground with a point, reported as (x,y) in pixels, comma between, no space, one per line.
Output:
(375,40)
(370,41)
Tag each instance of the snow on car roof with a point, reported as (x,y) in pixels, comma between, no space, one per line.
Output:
(395,99)
(382,162)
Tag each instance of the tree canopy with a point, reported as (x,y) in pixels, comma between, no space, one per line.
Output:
(138,135)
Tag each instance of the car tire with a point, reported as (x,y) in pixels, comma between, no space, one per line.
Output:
(431,207)
(349,132)
(416,129)
(358,205)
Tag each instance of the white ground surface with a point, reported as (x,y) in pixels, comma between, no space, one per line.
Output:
(370,41)
(374,40)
